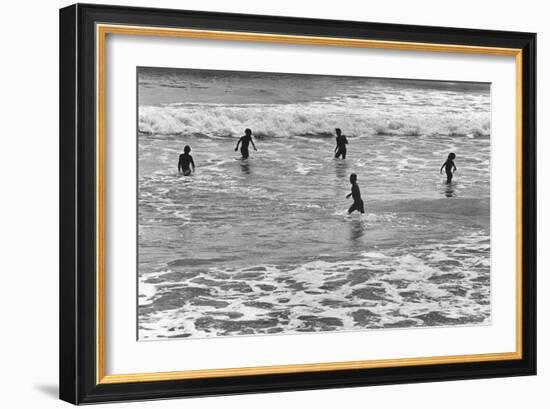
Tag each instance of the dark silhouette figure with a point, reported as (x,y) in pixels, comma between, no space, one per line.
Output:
(449,166)
(356,194)
(186,161)
(244,141)
(341,142)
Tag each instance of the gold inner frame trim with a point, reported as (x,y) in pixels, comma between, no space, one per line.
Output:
(101,33)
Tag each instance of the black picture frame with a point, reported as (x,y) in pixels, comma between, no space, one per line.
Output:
(78,237)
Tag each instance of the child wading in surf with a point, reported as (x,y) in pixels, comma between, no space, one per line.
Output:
(449,166)
(356,194)
(341,142)
(245,141)
(185,161)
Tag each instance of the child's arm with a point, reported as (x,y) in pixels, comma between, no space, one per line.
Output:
(442,166)
(454,167)
(193,163)
(252,142)
(180,164)
(238,143)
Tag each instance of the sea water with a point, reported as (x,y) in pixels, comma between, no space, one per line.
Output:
(265,245)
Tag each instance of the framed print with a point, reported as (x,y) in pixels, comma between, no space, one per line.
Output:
(258,203)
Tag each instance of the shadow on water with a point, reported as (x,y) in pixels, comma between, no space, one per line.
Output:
(341,168)
(449,189)
(245,166)
(357,230)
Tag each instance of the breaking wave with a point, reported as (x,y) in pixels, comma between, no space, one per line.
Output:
(310,119)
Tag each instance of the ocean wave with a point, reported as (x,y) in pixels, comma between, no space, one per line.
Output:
(432,285)
(310,119)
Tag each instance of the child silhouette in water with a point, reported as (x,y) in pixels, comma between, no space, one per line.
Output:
(245,141)
(341,142)
(185,161)
(356,194)
(449,166)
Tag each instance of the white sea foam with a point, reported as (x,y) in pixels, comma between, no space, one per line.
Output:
(379,289)
(302,119)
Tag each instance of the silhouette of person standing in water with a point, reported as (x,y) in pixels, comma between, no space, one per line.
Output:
(449,166)
(244,141)
(356,194)
(186,161)
(341,142)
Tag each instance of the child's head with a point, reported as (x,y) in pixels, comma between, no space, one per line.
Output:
(248,132)
(187,149)
(452,156)
(338,131)
(352,178)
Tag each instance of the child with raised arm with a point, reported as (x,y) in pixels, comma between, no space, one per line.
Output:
(186,161)
(245,141)
(341,142)
(356,194)
(449,166)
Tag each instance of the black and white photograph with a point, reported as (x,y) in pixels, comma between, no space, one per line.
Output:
(280,203)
